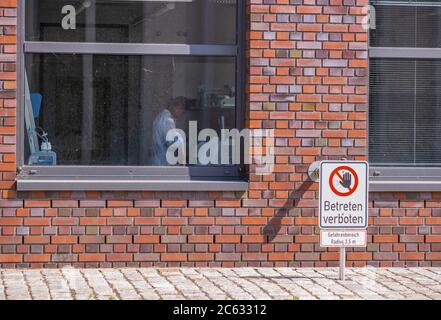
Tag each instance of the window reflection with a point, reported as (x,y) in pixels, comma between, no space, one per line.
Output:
(191,22)
(101,109)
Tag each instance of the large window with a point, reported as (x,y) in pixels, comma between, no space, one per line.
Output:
(405,89)
(104,81)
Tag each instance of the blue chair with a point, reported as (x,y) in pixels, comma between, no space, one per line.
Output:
(36,100)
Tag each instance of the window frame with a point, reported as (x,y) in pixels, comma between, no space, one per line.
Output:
(130,178)
(394,178)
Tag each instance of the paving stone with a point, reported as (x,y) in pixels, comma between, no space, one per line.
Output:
(215,283)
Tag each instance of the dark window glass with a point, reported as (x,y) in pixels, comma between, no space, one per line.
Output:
(407,26)
(405,94)
(405,112)
(190,22)
(101,109)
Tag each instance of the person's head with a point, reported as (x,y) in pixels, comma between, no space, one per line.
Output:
(177,106)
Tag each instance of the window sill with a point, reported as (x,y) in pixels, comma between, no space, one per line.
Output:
(396,185)
(404,179)
(404,186)
(130,185)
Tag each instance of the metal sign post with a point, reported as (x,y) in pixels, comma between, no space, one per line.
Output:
(342,263)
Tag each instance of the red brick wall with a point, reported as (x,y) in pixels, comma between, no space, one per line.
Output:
(308,81)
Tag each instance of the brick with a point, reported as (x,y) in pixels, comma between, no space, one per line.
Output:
(282,256)
(10,221)
(64,203)
(359,256)
(92,203)
(174,203)
(227,238)
(329,256)
(411,238)
(392,238)
(119,203)
(146,239)
(433,221)
(92,257)
(254,221)
(387,256)
(65,221)
(119,239)
(173,239)
(119,221)
(91,239)
(173,257)
(200,239)
(200,257)
(253,239)
(10,240)
(307,256)
(151,257)
(37,203)
(36,258)
(8,3)
(228,203)
(147,221)
(251,256)
(174,221)
(411,221)
(64,239)
(93,221)
(429,256)
(227,256)
(11,258)
(37,239)
(147,204)
(119,257)
(201,221)
(433,238)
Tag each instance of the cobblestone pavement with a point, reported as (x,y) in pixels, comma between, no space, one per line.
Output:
(219,284)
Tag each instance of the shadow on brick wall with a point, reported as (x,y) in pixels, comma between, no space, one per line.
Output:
(272,229)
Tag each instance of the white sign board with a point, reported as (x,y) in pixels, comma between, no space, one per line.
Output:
(343,238)
(343,195)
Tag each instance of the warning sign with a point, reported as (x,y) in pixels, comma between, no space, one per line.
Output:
(343,238)
(343,195)
(347,178)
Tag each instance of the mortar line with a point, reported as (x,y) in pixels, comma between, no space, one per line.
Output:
(149,283)
(110,285)
(214,284)
(194,282)
(88,284)
(129,282)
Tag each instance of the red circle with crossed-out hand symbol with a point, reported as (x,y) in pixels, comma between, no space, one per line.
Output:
(338,172)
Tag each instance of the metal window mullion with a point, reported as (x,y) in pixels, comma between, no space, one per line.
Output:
(20,144)
(405,4)
(241,64)
(405,53)
(129,48)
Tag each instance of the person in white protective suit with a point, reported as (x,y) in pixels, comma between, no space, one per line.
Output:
(163,124)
